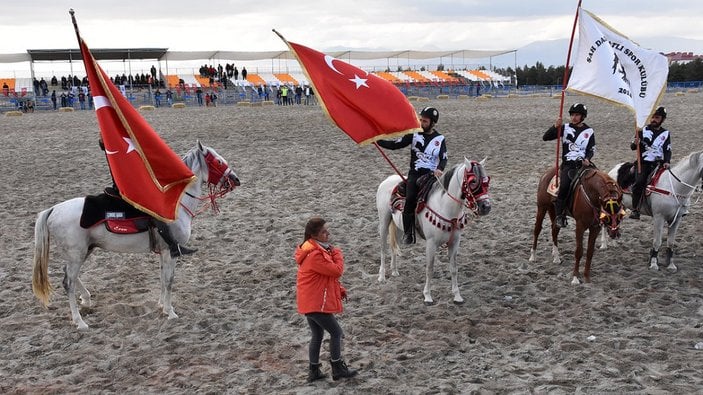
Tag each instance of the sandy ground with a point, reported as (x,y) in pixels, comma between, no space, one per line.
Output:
(238,331)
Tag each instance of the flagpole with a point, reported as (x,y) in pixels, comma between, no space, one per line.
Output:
(563,89)
(388,160)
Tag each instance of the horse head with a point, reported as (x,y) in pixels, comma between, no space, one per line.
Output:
(212,169)
(474,187)
(611,208)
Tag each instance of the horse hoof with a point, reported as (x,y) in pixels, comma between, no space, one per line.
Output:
(430,303)
(575,281)
(82,326)
(458,302)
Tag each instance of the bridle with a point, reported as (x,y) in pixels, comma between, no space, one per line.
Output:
(611,213)
(474,188)
(220,171)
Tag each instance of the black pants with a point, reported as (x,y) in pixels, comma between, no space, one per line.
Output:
(319,323)
(567,172)
(411,189)
(641,182)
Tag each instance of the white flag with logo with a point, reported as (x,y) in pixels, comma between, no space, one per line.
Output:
(610,66)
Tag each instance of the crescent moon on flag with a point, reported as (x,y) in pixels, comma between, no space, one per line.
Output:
(328,60)
(111,152)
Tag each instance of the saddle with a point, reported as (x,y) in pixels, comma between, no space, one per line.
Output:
(117,215)
(553,190)
(398,194)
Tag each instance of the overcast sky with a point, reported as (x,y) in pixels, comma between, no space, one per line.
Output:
(329,24)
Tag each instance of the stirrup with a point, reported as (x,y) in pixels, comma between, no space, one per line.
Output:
(179,250)
(635,214)
(560,221)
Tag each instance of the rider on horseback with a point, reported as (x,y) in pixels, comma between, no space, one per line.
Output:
(428,154)
(578,144)
(655,148)
(162,227)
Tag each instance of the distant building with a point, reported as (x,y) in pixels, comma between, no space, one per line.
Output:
(682,57)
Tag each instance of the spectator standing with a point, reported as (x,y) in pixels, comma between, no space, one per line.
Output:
(244,73)
(157,98)
(169,97)
(53,98)
(236,73)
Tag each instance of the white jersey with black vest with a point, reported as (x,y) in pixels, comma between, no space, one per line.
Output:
(577,144)
(428,151)
(655,143)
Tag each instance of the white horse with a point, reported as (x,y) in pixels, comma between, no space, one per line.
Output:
(667,203)
(441,220)
(61,222)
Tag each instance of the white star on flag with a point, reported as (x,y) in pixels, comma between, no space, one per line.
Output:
(358,81)
(130,146)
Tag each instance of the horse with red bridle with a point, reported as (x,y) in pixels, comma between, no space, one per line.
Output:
(596,202)
(62,224)
(440,219)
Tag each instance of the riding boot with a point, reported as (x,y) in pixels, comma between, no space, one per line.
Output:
(560,220)
(315,373)
(408,228)
(340,370)
(636,198)
(175,248)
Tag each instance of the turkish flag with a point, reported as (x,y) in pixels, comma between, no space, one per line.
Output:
(149,175)
(363,105)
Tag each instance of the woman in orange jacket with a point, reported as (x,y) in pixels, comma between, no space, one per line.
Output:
(319,296)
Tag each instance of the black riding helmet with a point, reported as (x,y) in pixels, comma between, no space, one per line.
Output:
(578,108)
(431,113)
(660,111)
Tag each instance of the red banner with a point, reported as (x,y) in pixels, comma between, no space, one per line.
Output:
(363,105)
(149,175)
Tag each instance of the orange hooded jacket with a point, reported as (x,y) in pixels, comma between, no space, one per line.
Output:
(318,286)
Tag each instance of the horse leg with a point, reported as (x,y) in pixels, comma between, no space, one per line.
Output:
(656,242)
(395,251)
(671,243)
(578,253)
(454,270)
(383,232)
(430,250)
(83,293)
(539,219)
(592,236)
(603,240)
(70,280)
(168,271)
(556,259)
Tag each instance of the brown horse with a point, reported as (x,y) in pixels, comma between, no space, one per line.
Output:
(596,202)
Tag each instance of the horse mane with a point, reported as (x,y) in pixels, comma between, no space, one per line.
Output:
(626,177)
(445,179)
(190,159)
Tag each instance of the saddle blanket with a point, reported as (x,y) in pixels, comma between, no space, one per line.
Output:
(118,215)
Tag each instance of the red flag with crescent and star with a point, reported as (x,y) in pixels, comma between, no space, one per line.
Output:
(149,175)
(365,106)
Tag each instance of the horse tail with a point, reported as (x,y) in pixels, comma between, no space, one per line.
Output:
(392,238)
(40,273)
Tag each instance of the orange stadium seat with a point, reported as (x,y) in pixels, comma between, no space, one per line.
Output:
(388,77)
(286,79)
(172,80)
(255,79)
(443,76)
(203,81)
(480,74)
(416,76)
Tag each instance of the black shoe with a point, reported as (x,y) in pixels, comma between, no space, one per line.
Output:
(178,250)
(341,371)
(315,373)
(635,214)
(560,221)
(408,239)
